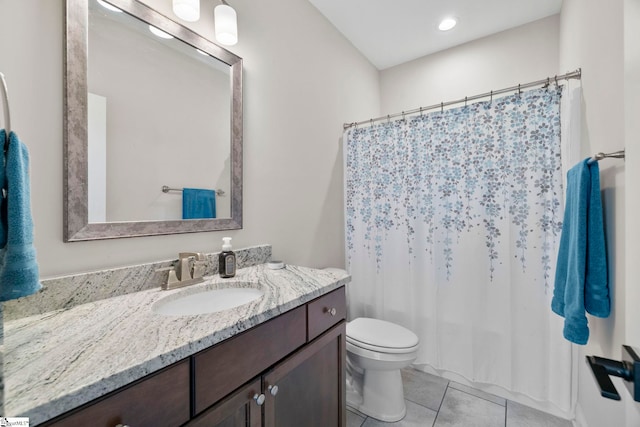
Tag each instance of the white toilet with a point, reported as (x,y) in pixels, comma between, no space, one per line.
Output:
(376,351)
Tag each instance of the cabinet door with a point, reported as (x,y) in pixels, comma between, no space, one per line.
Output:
(308,388)
(241,409)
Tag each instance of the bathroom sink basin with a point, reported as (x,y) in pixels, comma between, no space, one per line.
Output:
(206,301)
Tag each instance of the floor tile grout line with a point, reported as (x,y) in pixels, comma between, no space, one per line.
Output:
(480,397)
(506,401)
(441,402)
(424,406)
(360,414)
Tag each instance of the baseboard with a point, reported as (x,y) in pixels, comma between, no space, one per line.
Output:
(580,420)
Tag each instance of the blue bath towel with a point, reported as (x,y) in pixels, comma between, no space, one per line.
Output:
(198,203)
(18,267)
(581,272)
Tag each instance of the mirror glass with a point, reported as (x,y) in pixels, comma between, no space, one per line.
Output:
(155,101)
(156,135)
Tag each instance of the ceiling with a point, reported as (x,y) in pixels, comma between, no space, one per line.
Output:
(390,32)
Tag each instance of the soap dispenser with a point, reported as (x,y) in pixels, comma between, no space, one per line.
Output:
(227,259)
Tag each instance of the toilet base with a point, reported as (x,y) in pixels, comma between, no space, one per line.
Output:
(377,394)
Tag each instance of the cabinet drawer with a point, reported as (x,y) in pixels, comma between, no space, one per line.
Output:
(159,400)
(226,366)
(326,311)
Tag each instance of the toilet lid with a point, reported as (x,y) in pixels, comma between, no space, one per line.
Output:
(380,333)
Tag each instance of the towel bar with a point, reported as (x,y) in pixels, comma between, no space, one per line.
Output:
(166,189)
(5,107)
(615,155)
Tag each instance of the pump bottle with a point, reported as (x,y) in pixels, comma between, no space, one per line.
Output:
(227,259)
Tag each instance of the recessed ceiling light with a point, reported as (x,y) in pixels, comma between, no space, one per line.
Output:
(108,6)
(447,23)
(159,33)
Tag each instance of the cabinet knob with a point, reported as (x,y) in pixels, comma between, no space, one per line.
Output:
(273,389)
(332,311)
(259,398)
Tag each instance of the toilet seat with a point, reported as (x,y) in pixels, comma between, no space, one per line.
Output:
(381,336)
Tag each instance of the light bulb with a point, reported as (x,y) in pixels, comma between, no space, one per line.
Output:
(226,24)
(159,33)
(108,6)
(447,23)
(187,10)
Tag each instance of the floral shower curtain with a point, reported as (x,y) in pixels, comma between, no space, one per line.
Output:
(452,224)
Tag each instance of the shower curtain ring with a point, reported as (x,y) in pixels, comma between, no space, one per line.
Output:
(519,90)
(442,107)
(556,80)
(403,115)
(371,122)
(465,101)
(420,110)
(388,119)
(491,97)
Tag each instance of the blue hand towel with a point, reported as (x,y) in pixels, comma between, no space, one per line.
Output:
(198,203)
(3,189)
(581,272)
(18,267)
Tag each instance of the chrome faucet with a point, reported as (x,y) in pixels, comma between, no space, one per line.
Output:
(188,271)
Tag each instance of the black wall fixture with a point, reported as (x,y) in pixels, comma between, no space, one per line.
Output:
(627,369)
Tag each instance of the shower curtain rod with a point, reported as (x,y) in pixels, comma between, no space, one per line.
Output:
(571,75)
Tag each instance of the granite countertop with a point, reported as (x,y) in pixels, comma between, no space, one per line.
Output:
(56,361)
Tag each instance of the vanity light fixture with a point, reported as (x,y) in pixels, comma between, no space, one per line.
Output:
(447,23)
(226,24)
(159,33)
(187,10)
(108,6)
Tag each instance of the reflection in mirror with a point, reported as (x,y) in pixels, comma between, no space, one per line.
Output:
(152,146)
(188,146)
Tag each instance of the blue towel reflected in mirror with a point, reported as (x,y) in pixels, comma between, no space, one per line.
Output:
(198,203)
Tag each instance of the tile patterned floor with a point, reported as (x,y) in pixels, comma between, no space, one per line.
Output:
(436,402)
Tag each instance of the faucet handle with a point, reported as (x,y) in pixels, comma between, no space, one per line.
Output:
(197,255)
(186,269)
(171,277)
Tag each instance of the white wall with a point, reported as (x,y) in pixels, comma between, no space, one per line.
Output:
(302,81)
(592,37)
(632,138)
(520,55)
(632,144)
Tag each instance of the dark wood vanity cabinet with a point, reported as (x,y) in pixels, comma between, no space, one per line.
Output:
(288,371)
(306,389)
(161,399)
